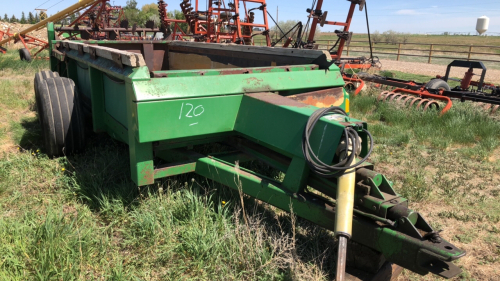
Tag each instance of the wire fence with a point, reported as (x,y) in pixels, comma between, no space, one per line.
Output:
(428,51)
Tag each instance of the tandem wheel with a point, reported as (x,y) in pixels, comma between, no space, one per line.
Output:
(60,114)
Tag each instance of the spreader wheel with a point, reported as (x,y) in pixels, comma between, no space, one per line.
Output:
(43,75)
(438,84)
(61,116)
(24,54)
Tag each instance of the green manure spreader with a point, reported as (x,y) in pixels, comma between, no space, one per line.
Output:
(281,106)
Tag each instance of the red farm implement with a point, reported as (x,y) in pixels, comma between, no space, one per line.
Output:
(426,95)
(225,21)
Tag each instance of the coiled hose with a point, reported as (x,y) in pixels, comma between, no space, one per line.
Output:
(351,139)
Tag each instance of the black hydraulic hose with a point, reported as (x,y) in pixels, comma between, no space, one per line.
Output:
(350,137)
(335,45)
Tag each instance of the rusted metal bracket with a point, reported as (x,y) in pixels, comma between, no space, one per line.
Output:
(117,59)
(80,50)
(92,53)
(59,55)
(66,46)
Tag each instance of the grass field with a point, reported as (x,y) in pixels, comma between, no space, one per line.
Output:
(81,217)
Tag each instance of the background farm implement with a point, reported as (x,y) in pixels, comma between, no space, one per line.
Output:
(30,42)
(426,95)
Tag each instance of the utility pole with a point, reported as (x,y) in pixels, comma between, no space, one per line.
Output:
(277,21)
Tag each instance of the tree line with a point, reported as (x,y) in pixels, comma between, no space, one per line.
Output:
(31,19)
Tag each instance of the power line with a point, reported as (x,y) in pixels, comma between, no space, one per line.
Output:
(55,4)
(42,4)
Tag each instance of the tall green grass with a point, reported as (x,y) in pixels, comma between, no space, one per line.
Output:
(465,127)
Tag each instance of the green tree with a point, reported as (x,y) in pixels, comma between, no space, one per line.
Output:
(23,18)
(131,12)
(6,18)
(13,19)
(149,12)
(37,19)
(285,26)
(132,5)
(31,18)
(178,15)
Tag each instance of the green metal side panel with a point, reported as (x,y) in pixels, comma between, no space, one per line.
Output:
(115,99)
(205,86)
(172,119)
(274,120)
(82,71)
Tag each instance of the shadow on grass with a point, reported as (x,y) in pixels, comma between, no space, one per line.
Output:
(30,133)
(100,178)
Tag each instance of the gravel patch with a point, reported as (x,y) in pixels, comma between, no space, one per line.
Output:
(492,75)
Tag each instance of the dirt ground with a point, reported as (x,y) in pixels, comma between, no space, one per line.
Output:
(492,75)
(16,27)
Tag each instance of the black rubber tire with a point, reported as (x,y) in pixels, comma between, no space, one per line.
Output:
(61,116)
(42,75)
(438,84)
(24,54)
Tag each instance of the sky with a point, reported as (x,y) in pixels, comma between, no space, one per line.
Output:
(413,16)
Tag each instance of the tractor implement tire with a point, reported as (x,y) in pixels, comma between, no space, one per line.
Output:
(438,84)
(61,116)
(42,76)
(24,54)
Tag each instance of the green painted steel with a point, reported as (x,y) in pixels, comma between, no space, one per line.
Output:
(83,79)
(115,99)
(225,71)
(217,85)
(186,117)
(395,246)
(280,123)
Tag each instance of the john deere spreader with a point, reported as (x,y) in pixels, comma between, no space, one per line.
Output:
(284,107)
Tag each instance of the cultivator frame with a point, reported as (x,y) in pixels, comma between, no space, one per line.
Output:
(101,21)
(319,17)
(223,23)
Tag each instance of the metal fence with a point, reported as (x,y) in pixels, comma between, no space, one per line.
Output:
(426,50)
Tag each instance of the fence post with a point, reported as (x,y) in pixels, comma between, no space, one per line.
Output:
(348,49)
(399,51)
(470,51)
(328,45)
(430,53)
